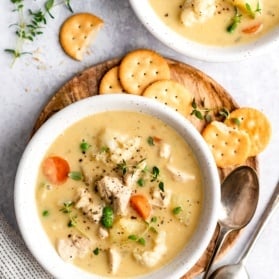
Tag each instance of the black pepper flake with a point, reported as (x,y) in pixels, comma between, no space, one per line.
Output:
(166,15)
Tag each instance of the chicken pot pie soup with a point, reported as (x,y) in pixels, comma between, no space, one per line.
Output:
(219,22)
(117,197)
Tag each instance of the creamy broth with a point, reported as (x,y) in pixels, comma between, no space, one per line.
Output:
(178,218)
(213,30)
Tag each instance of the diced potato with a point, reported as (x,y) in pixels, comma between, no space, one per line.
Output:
(180,207)
(125,227)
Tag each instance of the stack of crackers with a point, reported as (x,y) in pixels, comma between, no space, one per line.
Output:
(245,133)
(146,73)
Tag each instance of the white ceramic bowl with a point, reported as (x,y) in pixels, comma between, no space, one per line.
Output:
(26,178)
(192,49)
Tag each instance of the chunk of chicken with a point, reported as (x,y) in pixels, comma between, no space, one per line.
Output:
(197,11)
(165,150)
(114,260)
(121,146)
(112,190)
(93,211)
(75,246)
(151,258)
(179,175)
(131,178)
(103,233)
(161,199)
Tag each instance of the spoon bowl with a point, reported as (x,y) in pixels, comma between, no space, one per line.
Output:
(239,199)
(238,271)
(233,271)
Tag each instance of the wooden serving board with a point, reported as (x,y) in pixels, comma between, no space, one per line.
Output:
(204,89)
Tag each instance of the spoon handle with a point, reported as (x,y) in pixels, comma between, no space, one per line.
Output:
(223,232)
(270,208)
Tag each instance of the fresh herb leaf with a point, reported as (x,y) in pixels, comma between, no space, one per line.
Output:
(45,213)
(150,141)
(161,186)
(73,221)
(155,173)
(224,112)
(236,121)
(234,21)
(123,167)
(200,113)
(177,210)
(68,5)
(153,219)
(141,241)
(75,175)
(67,207)
(96,251)
(132,237)
(48,7)
(141,182)
(136,238)
(252,13)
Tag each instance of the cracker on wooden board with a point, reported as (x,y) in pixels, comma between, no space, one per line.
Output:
(141,67)
(230,147)
(77,32)
(255,124)
(110,82)
(170,93)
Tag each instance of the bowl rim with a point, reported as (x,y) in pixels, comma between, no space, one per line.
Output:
(209,53)
(26,176)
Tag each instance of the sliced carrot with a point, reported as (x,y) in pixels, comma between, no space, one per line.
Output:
(55,169)
(252,29)
(157,139)
(141,205)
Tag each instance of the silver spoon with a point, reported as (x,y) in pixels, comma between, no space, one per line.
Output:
(238,270)
(239,199)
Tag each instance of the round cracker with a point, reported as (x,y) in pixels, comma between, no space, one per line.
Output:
(170,93)
(141,67)
(255,124)
(77,32)
(110,82)
(230,147)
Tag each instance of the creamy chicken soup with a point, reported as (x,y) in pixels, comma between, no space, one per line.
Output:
(219,22)
(119,194)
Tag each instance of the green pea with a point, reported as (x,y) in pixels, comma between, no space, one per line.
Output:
(107,217)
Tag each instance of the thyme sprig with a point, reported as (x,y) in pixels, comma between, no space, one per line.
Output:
(203,113)
(252,13)
(73,219)
(30,24)
(236,19)
(140,239)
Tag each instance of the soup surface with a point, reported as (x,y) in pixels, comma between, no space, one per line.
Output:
(119,194)
(220,22)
